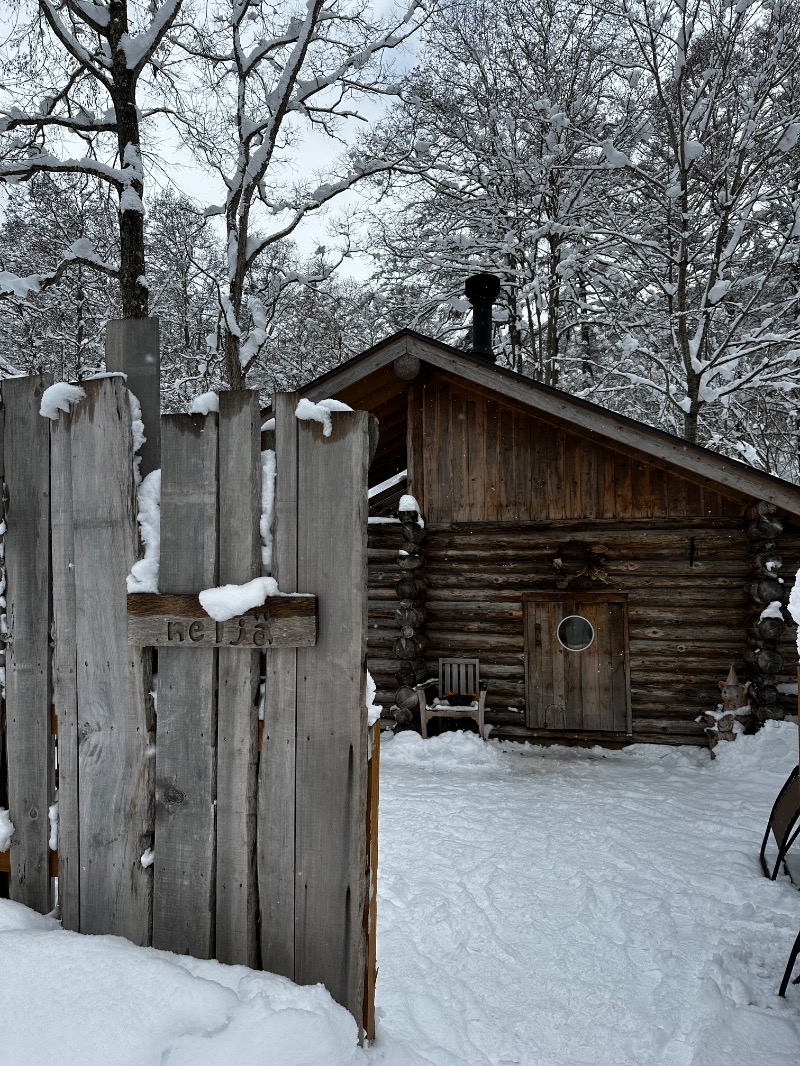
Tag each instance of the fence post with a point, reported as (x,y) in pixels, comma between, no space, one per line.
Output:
(276,778)
(28,731)
(237,722)
(114,765)
(331,771)
(186,783)
(65,663)
(133,348)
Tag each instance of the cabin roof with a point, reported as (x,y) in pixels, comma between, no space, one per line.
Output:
(363,381)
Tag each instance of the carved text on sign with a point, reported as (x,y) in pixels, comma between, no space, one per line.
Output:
(180,622)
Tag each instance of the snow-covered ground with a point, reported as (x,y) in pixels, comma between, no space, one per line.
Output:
(555,907)
(543,907)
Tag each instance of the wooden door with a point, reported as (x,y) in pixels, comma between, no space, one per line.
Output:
(576,662)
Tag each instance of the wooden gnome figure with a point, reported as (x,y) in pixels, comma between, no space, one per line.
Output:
(733,715)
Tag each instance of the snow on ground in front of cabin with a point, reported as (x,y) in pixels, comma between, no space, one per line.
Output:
(562,907)
(537,906)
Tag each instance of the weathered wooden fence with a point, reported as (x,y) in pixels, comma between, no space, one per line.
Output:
(260,844)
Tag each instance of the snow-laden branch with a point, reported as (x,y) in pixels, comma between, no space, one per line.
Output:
(139,48)
(81,253)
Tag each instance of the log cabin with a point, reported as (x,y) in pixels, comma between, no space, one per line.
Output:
(606,574)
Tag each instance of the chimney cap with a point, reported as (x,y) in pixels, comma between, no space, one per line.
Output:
(482,288)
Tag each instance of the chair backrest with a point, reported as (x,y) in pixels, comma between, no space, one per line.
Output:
(786,811)
(459,676)
(784,825)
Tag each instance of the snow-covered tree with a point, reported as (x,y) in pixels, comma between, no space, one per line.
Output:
(185,266)
(273,84)
(73,102)
(705,302)
(60,329)
(505,114)
(317,325)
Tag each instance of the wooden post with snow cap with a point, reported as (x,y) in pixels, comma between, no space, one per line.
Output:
(312,848)
(331,757)
(276,782)
(133,348)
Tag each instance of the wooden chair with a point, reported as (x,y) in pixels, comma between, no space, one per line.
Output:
(784,824)
(456,677)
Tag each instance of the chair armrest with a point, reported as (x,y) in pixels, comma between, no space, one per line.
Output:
(424,684)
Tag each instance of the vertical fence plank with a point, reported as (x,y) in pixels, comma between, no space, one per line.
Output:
(331,769)
(4,874)
(65,691)
(371,906)
(132,347)
(114,767)
(276,782)
(28,736)
(237,720)
(183,903)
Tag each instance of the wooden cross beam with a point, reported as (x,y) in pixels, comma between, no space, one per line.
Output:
(179,621)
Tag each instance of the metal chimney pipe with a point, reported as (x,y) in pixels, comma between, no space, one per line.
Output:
(482,290)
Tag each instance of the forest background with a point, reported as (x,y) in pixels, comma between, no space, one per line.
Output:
(283,184)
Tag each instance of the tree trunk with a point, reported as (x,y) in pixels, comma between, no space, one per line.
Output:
(233,364)
(132,265)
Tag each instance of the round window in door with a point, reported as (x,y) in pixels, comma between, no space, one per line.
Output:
(575,633)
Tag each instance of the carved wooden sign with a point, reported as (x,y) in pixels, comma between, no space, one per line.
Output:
(174,621)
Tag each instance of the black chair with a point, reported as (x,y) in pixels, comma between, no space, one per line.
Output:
(790,967)
(784,824)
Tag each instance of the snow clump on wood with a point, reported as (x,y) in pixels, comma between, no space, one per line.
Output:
(6,829)
(204,404)
(228,601)
(794,606)
(307,411)
(60,397)
(144,573)
(268,468)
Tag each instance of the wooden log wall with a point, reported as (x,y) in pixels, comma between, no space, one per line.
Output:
(767,591)
(685,582)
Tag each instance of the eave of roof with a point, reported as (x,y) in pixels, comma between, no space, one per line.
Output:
(548,401)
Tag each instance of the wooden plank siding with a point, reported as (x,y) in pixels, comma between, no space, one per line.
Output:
(486,460)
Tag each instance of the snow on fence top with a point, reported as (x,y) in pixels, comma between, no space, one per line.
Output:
(59,397)
(204,404)
(320,412)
